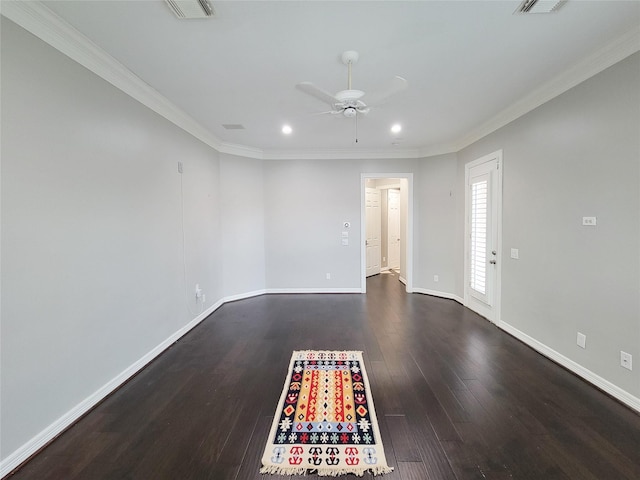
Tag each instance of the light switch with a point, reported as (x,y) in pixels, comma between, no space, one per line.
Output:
(345,242)
(582,340)
(345,234)
(515,254)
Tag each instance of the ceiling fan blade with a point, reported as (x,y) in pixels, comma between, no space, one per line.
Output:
(398,84)
(328,112)
(311,89)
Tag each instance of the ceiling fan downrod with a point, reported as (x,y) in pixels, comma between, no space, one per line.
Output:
(349,58)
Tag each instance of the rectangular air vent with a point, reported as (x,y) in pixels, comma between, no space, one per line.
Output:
(233,126)
(540,6)
(191,8)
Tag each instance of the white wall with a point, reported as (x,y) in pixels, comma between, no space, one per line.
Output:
(242,213)
(306,202)
(93,277)
(435,252)
(92,266)
(577,155)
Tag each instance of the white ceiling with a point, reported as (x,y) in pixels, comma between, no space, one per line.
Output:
(468,64)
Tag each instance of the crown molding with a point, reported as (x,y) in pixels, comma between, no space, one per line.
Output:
(240,150)
(46,25)
(612,53)
(339,154)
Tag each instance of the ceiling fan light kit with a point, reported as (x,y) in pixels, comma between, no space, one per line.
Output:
(349,102)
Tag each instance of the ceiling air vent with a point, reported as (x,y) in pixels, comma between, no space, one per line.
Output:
(540,6)
(191,8)
(233,126)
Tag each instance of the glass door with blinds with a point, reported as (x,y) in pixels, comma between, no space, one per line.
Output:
(482,242)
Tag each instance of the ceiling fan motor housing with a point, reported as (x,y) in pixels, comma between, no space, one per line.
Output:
(346,95)
(350,112)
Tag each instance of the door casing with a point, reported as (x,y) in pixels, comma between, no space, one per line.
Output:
(407,233)
(491,311)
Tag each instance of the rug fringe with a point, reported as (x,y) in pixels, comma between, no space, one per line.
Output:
(325,472)
(276,470)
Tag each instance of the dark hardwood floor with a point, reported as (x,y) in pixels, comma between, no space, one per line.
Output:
(456,397)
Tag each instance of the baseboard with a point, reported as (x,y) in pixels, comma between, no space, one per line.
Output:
(604,385)
(23,453)
(242,296)
(436,293)
(314,290)
(31,447)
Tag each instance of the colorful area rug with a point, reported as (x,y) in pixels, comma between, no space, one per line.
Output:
(325,422)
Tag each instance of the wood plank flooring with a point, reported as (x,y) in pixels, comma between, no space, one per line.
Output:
(456,398)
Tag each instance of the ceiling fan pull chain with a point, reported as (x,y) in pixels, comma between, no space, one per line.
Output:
(356,119)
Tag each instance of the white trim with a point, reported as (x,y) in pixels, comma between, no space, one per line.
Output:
(16,458)
(497,307)
(339,154)
(435,293)
(409,231)
(313,290)
(609,55)
(604,385)
(242,296)
(46,25)
(43,23)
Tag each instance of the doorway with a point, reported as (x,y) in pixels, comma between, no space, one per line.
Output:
(402,197)
(393,229)
(483,235)
(373,229)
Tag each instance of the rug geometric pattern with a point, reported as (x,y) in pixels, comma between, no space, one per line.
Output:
(325,421)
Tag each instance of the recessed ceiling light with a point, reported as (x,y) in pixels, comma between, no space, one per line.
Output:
(396,128)
(286,129)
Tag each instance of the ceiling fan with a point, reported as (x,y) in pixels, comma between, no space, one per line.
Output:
(349,102)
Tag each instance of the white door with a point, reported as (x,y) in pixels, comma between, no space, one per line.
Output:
(393,243)
(373,228)
(482,241)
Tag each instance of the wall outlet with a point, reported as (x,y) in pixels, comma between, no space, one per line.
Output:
(626,360)
(589,221)
(436,278)
(582,340)
(199,293)
(180,168)
(328,276)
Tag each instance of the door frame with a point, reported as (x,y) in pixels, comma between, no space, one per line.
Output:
(497,155)
(408,233)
